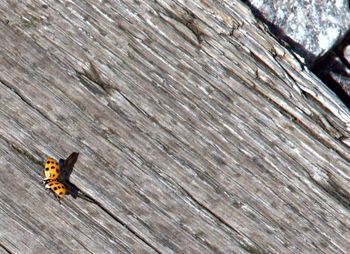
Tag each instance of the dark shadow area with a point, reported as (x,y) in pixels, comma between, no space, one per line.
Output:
(334,70)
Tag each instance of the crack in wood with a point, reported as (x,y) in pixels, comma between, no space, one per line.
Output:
(94,76)
(6,249)
(337,191)
(242,241)
(23,152)
(125,225)
(25,100)
(185,21)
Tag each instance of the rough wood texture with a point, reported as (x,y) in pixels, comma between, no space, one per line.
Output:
(197,132)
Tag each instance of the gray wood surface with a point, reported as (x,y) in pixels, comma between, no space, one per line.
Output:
(197,132)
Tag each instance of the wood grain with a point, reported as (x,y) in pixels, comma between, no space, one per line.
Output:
(197,132)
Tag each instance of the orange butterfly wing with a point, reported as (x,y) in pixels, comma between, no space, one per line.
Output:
(52,170)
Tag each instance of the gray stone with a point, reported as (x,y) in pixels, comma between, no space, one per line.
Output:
(315,25)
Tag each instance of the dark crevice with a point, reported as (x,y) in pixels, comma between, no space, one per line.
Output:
(243,239)
(337,192)
(27,156)
(334,70)
(78,240)
(125,225)
(23,152)
(92,76)
(333,85)
(189,20)
(6,249)
(96,225)
(25,100)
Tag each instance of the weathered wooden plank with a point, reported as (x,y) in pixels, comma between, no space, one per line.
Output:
(198,133)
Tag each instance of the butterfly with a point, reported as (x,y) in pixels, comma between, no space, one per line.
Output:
(60,170)
(56,177)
